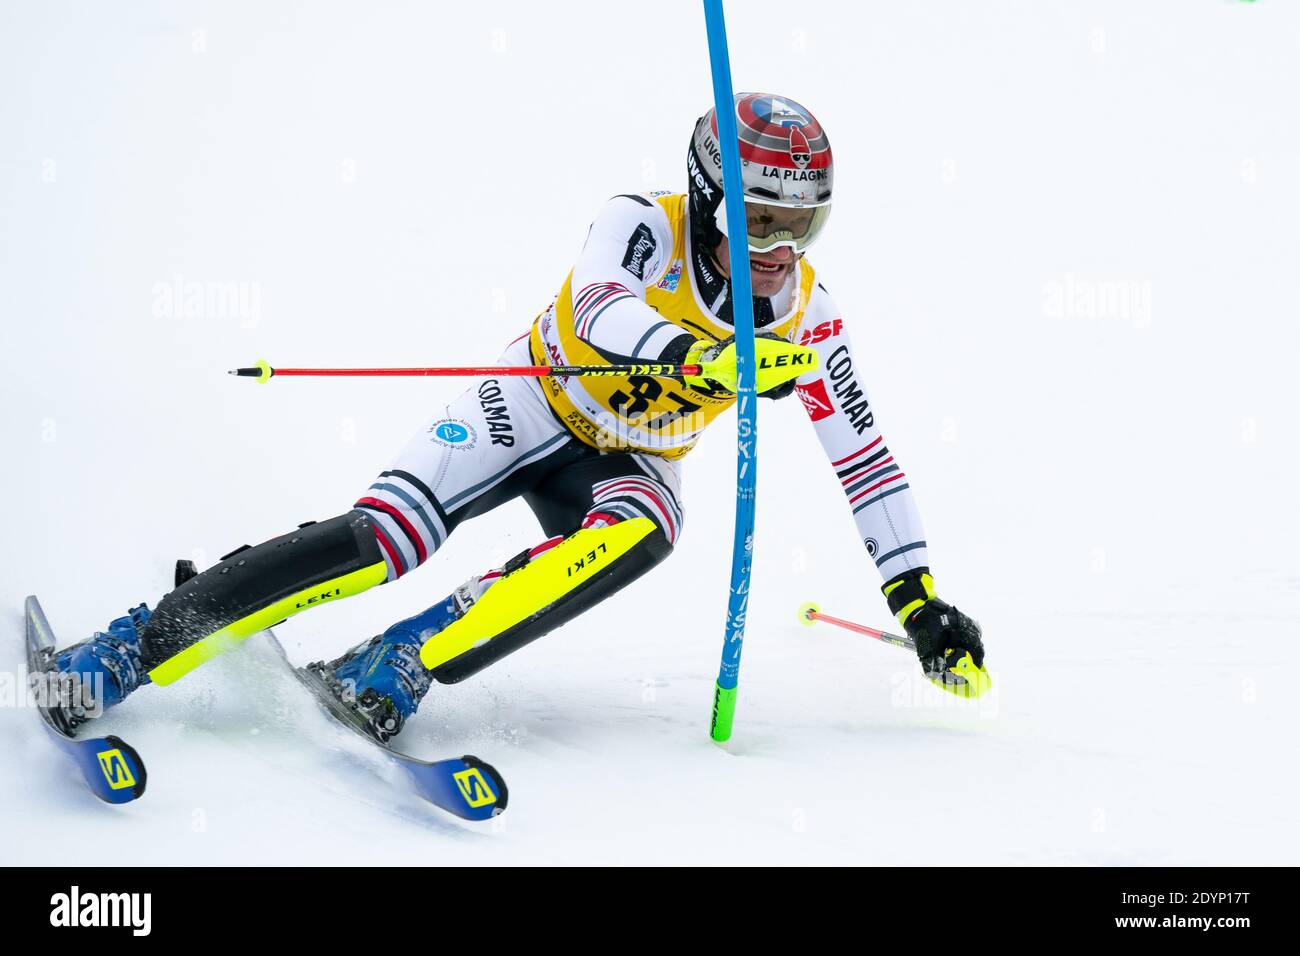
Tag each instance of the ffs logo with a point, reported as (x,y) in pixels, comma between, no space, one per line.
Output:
(454,433)
(821,332)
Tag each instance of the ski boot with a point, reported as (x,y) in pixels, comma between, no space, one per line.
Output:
(101,671)
(382,680)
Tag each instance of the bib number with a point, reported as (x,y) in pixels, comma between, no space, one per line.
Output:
(644,391)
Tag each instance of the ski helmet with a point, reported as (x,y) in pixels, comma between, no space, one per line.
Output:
(786,172)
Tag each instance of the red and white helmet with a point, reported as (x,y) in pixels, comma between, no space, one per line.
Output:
(786,171)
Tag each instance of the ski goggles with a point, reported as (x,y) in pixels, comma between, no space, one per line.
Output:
(768,225)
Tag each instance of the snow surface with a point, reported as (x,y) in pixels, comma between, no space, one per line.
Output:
(1112,495)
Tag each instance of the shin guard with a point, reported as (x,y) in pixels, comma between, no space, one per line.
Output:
(256,587)
(537,595)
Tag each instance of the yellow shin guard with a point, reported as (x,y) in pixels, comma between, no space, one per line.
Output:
(547,591)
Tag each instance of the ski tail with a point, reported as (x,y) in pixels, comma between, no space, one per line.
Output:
(468,787)
(112,768)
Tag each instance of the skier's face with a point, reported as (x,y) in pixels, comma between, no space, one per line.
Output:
(767,270)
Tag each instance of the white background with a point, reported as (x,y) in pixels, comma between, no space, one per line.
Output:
(1110,493)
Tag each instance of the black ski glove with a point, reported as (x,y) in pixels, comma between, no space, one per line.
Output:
(944,636)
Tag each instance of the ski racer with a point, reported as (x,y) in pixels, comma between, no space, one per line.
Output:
(597,459)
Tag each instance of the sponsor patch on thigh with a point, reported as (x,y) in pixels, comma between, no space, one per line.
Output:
(454,433)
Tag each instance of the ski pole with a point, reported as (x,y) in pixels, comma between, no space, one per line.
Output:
(726,687)
(811,612)
(264,372)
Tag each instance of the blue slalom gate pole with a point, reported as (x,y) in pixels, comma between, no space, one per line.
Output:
(742,310)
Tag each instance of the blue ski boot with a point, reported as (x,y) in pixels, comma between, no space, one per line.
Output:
(383,680)
(101,671)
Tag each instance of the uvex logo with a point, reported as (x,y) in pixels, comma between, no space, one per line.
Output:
(693,169)
(316,599)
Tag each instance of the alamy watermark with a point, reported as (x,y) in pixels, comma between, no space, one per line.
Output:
(80,694)
(76,908)
(183,298)
(1079,297)
(909,690)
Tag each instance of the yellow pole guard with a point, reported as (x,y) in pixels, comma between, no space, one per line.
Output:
(354,582)
(539,583)
(977,679)
(778,361)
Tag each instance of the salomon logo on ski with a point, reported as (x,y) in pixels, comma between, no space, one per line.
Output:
(474,788)
(116,770)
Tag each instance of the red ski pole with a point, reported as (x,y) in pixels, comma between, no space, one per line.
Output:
(810,613)
(264,373)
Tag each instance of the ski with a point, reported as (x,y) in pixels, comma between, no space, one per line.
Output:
(109,765)
(467,787)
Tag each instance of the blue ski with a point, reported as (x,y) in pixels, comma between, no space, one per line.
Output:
(110,766)
(465,786)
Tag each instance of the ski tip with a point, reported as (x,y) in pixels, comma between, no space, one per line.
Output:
(808,614)
(39,634)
